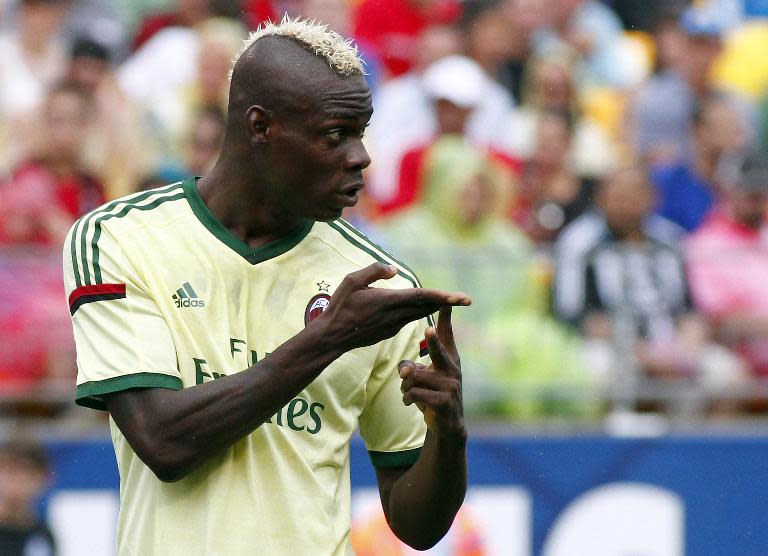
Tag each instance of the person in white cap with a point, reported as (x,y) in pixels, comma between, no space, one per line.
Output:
(404,111)
(457,89)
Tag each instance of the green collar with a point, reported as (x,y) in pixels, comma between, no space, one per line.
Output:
(253,256)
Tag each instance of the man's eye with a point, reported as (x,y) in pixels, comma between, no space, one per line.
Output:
(335,135)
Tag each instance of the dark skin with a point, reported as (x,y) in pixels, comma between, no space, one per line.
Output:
(294,152)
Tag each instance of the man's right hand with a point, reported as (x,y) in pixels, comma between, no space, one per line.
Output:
(359,315)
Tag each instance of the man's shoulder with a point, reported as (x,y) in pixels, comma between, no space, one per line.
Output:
(673,171)
(133,209)
(581,235)
(359,250)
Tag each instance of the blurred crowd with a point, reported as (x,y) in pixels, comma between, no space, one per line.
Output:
(594,173)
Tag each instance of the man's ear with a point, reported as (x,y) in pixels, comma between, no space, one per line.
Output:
(259,121)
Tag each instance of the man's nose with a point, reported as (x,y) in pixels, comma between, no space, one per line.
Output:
(357,157)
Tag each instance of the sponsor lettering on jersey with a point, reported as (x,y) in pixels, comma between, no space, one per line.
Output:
(299,414)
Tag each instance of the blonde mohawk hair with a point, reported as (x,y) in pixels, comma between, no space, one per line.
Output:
(341,54)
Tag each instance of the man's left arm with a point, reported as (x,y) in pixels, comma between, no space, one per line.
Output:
(421,502)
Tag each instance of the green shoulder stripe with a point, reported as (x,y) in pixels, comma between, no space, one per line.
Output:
(356,238)
(86,222)
(379,249)
(126,209)
(363,247)
(73,251)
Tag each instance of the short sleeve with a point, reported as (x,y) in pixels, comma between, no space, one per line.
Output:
(121,337)
(393,432)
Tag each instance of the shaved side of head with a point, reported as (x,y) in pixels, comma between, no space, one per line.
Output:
(281,66)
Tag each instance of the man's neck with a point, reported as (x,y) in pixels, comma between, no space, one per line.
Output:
(237,203)
(705,164)
(61,168)
(12,516)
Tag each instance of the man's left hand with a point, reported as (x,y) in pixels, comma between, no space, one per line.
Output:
(436,389)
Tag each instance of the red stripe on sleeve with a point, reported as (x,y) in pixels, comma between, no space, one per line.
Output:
(95,289)
(423,349)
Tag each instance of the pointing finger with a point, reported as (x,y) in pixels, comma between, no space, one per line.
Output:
(445,330)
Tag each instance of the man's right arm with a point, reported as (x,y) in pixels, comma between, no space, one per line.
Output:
(175,431)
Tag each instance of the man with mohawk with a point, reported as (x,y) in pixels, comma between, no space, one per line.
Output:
(237,331)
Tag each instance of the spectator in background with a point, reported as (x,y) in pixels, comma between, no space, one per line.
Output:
(661,113)
(764,124)
(392,29)
(337,14)
(550,194)
(727,261)
(49,191)
(523,19)
(620,280)
(669,39)
(185,13)
(487,41)
(25,473)
(641,15)
(255,12)
(101,21)
(174,110)
(404,116)
(117,145)
(205,141)
(459,235)
(687,189)
(147,75)
(456,87)
(461,216)
(742,66)
(31,59)
(592,34)
(549,85)
(200,151)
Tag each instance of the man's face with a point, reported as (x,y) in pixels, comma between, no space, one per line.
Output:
(476,200)
(749,207)
(316,155)
(20,482)
(721,129)
(88,72)
(451,118)
(626,199)
(553,142)
(66,124)
(205,145)
(701,52)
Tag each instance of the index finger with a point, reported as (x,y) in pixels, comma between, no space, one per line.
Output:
(445,330)
(425,296)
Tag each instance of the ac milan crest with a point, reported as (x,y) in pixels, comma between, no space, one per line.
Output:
(316,306)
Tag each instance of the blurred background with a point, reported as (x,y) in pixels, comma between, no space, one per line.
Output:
(594,173)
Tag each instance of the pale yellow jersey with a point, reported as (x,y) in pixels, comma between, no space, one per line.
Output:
(163,295)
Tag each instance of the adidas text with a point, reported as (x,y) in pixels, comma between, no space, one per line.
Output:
(190,303)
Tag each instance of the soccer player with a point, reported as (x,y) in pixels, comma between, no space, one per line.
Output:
(237,331)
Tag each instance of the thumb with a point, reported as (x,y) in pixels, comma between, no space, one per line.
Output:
(368,275)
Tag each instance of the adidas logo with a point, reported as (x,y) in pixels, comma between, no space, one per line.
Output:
(185,296)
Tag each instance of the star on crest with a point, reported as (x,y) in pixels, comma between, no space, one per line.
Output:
(323,286)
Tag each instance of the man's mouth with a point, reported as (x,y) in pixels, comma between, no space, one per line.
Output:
(350,194)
